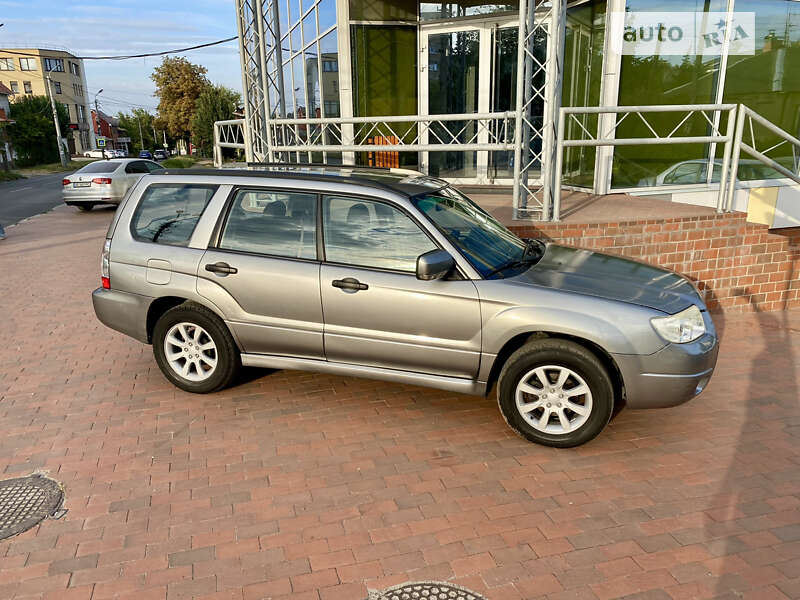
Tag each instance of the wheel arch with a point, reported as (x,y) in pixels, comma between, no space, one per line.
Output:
(164,303)
(519,340)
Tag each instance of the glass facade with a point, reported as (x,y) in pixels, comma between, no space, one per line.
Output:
(443,57)
(430,11)
(665,79)
(309,60)
(583,70)
(769,82)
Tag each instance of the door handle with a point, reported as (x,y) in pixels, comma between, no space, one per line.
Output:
(222,267)
(348,283)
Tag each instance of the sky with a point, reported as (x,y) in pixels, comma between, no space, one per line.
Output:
(127,27)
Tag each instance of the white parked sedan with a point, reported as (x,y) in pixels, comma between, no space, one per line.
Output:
(104,181)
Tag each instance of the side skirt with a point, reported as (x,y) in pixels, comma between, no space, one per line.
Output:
(450,384)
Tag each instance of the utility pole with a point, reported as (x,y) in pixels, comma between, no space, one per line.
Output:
(97,120)
(155,138)
(59,141)
(164,131)
(141,138)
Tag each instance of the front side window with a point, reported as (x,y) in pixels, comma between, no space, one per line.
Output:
(371,234)
(483,241)
(15,87)
(57,85)
(272,223)
(168,212)
(6,64)
(27,64)
(28,87)
(73,68)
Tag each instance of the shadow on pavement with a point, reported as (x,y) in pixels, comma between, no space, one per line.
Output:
(740,494)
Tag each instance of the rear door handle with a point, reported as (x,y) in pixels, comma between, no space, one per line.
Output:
(222,267)
(349,283)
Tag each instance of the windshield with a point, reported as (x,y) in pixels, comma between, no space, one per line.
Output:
(485,243)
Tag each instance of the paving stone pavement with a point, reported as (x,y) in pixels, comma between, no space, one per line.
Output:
(305,486)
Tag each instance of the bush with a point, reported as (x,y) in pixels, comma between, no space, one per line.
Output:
(183,162)
(9,176)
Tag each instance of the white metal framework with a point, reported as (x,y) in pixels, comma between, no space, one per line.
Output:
(529,131)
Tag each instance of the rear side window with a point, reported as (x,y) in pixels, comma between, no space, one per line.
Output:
(168,212)
(273,223)
(101,166)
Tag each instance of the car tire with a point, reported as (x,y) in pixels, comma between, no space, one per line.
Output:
(208,342)
(559,414)
(85,207)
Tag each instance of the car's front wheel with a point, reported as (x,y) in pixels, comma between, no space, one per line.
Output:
(195,350)
(555,392)
(85,207)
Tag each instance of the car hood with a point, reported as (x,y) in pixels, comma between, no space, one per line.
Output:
(612,278)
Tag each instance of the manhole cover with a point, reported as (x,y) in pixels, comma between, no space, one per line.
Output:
(431,590)
(25,501)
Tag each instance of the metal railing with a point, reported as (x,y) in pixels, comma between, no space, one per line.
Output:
(413,133)
(710,114)
(750,120)
(406,133)
(229,134)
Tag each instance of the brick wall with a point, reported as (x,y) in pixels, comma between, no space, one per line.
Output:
(739,266)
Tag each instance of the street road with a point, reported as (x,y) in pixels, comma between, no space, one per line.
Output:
(24,198)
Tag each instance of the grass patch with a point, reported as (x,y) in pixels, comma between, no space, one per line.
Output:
(10,176)
(182,162)
(72,165)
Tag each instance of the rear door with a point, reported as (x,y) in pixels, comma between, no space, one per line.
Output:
(377,313)
(263,263)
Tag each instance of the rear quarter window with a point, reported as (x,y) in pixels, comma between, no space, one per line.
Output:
(101,166)
(168,212)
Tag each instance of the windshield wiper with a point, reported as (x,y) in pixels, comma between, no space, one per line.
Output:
(528,257)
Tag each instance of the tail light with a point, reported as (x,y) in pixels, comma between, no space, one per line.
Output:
(105,265)
(65,182)
(102,180)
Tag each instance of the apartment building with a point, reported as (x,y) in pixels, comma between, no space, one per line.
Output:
(25,71)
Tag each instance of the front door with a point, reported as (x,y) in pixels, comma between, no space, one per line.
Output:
(263,271)
(471,67)
(377,313)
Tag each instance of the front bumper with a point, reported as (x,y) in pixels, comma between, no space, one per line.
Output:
(673,375)
(123,311)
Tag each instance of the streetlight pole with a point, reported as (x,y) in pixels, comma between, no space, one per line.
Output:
(141,137)
(59,141)
(97,120)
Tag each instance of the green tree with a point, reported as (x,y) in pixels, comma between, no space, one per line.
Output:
(34,133)
(216,103)
(178,85)
(130,123)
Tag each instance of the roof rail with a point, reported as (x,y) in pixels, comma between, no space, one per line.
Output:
(364,181)
(315,166)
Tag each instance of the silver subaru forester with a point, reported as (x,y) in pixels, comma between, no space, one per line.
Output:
(397,276)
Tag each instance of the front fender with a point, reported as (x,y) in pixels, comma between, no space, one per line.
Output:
(624,329)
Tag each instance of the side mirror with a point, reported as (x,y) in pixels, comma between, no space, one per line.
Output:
(435,264)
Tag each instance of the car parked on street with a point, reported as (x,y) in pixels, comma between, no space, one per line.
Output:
(146,154)
(98,153)
(160,154)
(104,181)
(395,276)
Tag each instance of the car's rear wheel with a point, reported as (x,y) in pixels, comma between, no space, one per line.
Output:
(555,392)
(85,207)
(195,350)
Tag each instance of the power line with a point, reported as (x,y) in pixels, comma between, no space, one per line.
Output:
(131,56)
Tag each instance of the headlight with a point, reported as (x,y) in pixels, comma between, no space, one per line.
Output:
(686,326)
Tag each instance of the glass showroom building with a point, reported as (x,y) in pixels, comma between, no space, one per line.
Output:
(340,59)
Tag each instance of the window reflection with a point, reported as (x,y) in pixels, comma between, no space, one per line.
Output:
(665,79)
